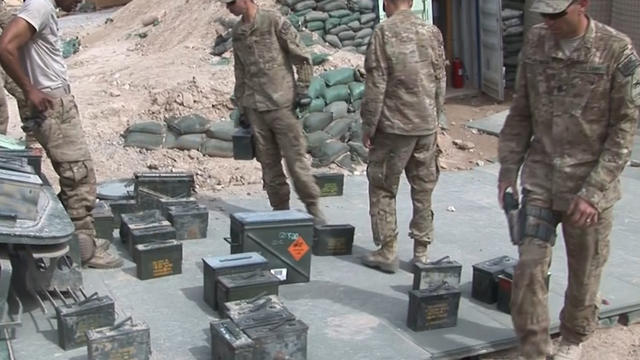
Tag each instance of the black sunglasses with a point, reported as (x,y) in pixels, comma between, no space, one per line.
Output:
(559,15)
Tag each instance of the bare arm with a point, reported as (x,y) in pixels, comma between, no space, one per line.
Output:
(13,38)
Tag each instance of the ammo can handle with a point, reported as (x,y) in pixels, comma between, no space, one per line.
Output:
(256,298)
(444,283)
(228,239)
(441,260)
(120,323)
(90,298)
(261,305)
(235,259)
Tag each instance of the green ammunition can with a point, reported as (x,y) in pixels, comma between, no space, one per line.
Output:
(435,272)
(150,234)
(216,266)
(121,207)
(190,221)
(140,220)
(333,240)
(127,340)
(228,342)
(103,220)
(75,319)
(433,308)
(169,184)
(158,259)
(242,140)
(330,184)
(259,311)
(484,286)
(286,340)
(245,286)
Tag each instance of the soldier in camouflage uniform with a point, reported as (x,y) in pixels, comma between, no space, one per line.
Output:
(6,14)
(405,88)
(30,54)
(265,45)
(571,128)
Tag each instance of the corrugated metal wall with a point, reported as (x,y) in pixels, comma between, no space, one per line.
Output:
(625,16)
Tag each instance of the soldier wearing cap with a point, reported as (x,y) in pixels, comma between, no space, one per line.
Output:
(265,46)
(404,94)
(30,54)
(570,128)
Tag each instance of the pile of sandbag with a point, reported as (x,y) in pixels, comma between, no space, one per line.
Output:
(190,132)
(332,122)
(341,23)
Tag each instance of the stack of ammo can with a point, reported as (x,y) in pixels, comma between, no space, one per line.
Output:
(435,298)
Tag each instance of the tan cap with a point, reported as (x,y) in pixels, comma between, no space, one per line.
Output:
(550,6)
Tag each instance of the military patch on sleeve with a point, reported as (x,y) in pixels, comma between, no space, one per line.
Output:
(635,88)
(629,65)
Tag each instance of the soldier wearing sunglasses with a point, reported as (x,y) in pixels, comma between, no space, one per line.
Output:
(570,128)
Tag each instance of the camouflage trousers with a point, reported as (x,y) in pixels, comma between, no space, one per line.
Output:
(62,137)
(6,14)
(587,252)
(278,133)
(391,155)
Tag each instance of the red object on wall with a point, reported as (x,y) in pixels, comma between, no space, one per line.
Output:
(457,78)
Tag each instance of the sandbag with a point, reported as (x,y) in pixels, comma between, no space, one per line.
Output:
(358,42)
(170,140)
(364,33)
(316,121)
(347,19)
(285,10)
(217,148)
(306,38)
(339,13)
(362,49)
(365,4)
(143,140)
(330,151)
(355,131)
(369,24)
(356,89)
(333,41)
(339,128)
(234,116)
(222,130)
(190,141)
(317,105)
(341,76)
(315,25)
(292,3)
(317,87)
(149,127)
(333,6)
(338,109)
(336,93)
(189,124)
(365,18)
(331,23)
(355,26)
(302,14)
(358,149)
(346,35)
(320,33)
(304,5)
(316,16)
(338,29)
(347,45)
(294,20)
(315,141)
(318,58)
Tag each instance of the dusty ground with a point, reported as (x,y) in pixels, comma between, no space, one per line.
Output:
(119,78)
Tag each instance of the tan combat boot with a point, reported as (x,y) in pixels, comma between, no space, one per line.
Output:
(568,351)
(102,244)
(385,258)
(103,259)
(419,252)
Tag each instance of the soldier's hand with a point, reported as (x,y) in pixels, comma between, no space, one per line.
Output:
(581,213)
(243,121)
(40,100)
(366,141)
(502,188)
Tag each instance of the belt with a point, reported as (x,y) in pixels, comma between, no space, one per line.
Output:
(58,91)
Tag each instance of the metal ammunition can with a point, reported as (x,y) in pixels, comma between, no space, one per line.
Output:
(259,311)
(433,308)
(245,286)
(330,184)
(333,240)
(484,286)
(75,319)
(284,238)
(103,220)
(190,221)
(158,259)
(33,156)
(20,194)
(150,234)
(216,266)
(435,272)
(228,342)
(242,140)
(120,207)
(505,284)
(287,340)
(126,340)
(169,184)
(140,220)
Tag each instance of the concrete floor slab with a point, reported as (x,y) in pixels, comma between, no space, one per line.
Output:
(491,124)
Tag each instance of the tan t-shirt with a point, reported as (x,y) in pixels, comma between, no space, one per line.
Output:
(42,57)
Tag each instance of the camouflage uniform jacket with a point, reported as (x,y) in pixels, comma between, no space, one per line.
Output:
(573,118)
(264,51)
(406,78)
